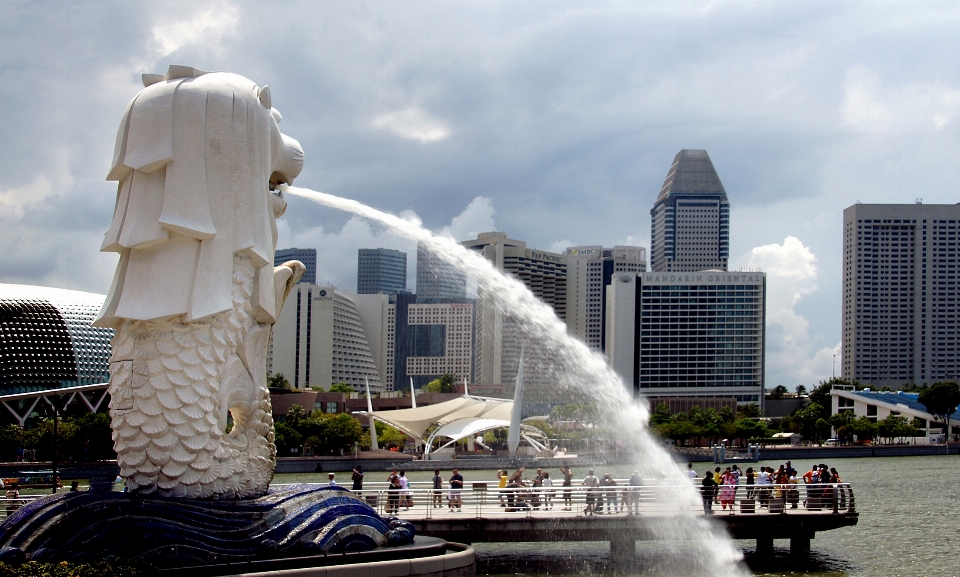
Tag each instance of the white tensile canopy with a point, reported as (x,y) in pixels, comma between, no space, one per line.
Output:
(415,422)
(457,419)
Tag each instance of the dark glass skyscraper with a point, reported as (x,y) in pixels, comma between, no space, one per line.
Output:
(690,228)
(308,256)
(381,270)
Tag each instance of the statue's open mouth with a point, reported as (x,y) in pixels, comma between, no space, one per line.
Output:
(275,179)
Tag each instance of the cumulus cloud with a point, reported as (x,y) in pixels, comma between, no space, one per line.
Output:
(872,107)
(793,357)
(476,218)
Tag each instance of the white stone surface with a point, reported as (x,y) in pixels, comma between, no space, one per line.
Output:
(195,293)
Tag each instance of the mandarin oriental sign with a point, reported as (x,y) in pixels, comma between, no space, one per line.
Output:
(717,277)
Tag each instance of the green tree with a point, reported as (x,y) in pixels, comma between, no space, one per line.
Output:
(286,438)
(801,390)
(278,381)
(295,416)
(660,415)
(750,411)
(388,436)
(747,429)
(811,422)
(896,427)
(863,428)
(444,384)
(11,439)
(840,421)
(778,392)
(342,431)
(341,388)
(941,401)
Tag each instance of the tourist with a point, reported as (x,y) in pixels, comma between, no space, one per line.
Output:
(841,491)
(567,493)
(437,489)
(591,482)
(764,484)
(406,496)
(718,478)
(609,481)
(793,493)
(634,484)
(708,490)
(514,485)
(502,485)
(536,484)
(690,472)
(13,499)
(791,472)
(74,486)
(332,478)
(737,474)
(456,491)
(548,491)
(751,482)
(357,478)
(728,490)
(393,493)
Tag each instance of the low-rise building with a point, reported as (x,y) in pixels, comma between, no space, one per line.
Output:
(878,405)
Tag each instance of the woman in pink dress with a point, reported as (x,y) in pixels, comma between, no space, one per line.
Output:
(728,490)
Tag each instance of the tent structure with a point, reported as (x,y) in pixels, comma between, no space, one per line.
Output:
(456,419)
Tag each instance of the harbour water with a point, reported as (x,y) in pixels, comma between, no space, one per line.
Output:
(909,527)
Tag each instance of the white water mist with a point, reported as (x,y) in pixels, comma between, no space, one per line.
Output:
(583,374)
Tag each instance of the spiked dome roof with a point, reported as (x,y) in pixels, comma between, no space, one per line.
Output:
(692,172)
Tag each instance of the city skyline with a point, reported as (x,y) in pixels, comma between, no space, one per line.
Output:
(802,120)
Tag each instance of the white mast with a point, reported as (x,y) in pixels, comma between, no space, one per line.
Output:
(513,435)
(373,424)
(413,394)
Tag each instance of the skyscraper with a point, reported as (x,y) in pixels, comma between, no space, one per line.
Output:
(381,270)
(689,334)
(901,274)
(500,337)
(319,340)
(589,271)
(690,221)
(437,278)
(308,256)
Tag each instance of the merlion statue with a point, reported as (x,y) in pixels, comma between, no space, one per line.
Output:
(195,293)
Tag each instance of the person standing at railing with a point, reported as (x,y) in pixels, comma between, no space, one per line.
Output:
(841,493)
(456,491)
(728,490)
(547,491)
(567,493)
(437,490)
(751,482)
(793,493)
(634,488)
(357,478)
(537,483)
(502,486)
(708,490)
(764,484)
(393,493)
(591,482)
(406,498)
(612,504)
(690,472)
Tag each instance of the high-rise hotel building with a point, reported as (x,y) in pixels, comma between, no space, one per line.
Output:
(901,278)
(500,337)
(690,221)
(697,335)
(589,271)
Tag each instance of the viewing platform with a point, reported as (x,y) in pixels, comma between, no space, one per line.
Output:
(540,514)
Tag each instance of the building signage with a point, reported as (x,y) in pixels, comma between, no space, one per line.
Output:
(544,256)
(718,277)
(583,252)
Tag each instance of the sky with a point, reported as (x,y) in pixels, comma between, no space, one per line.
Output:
(555,122)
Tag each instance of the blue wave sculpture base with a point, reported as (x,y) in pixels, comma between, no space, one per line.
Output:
(298,520)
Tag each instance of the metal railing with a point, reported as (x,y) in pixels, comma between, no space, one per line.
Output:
(487,500)
(481,499)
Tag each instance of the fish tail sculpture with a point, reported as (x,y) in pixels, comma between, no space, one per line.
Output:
(195,295)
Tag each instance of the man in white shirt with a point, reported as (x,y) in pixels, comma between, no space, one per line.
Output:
(591,482)
(690,472)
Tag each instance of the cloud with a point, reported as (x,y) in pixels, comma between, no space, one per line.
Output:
(476,218)
(872,107)
(792,354)
(413,124)
(337,249)
(208,27)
